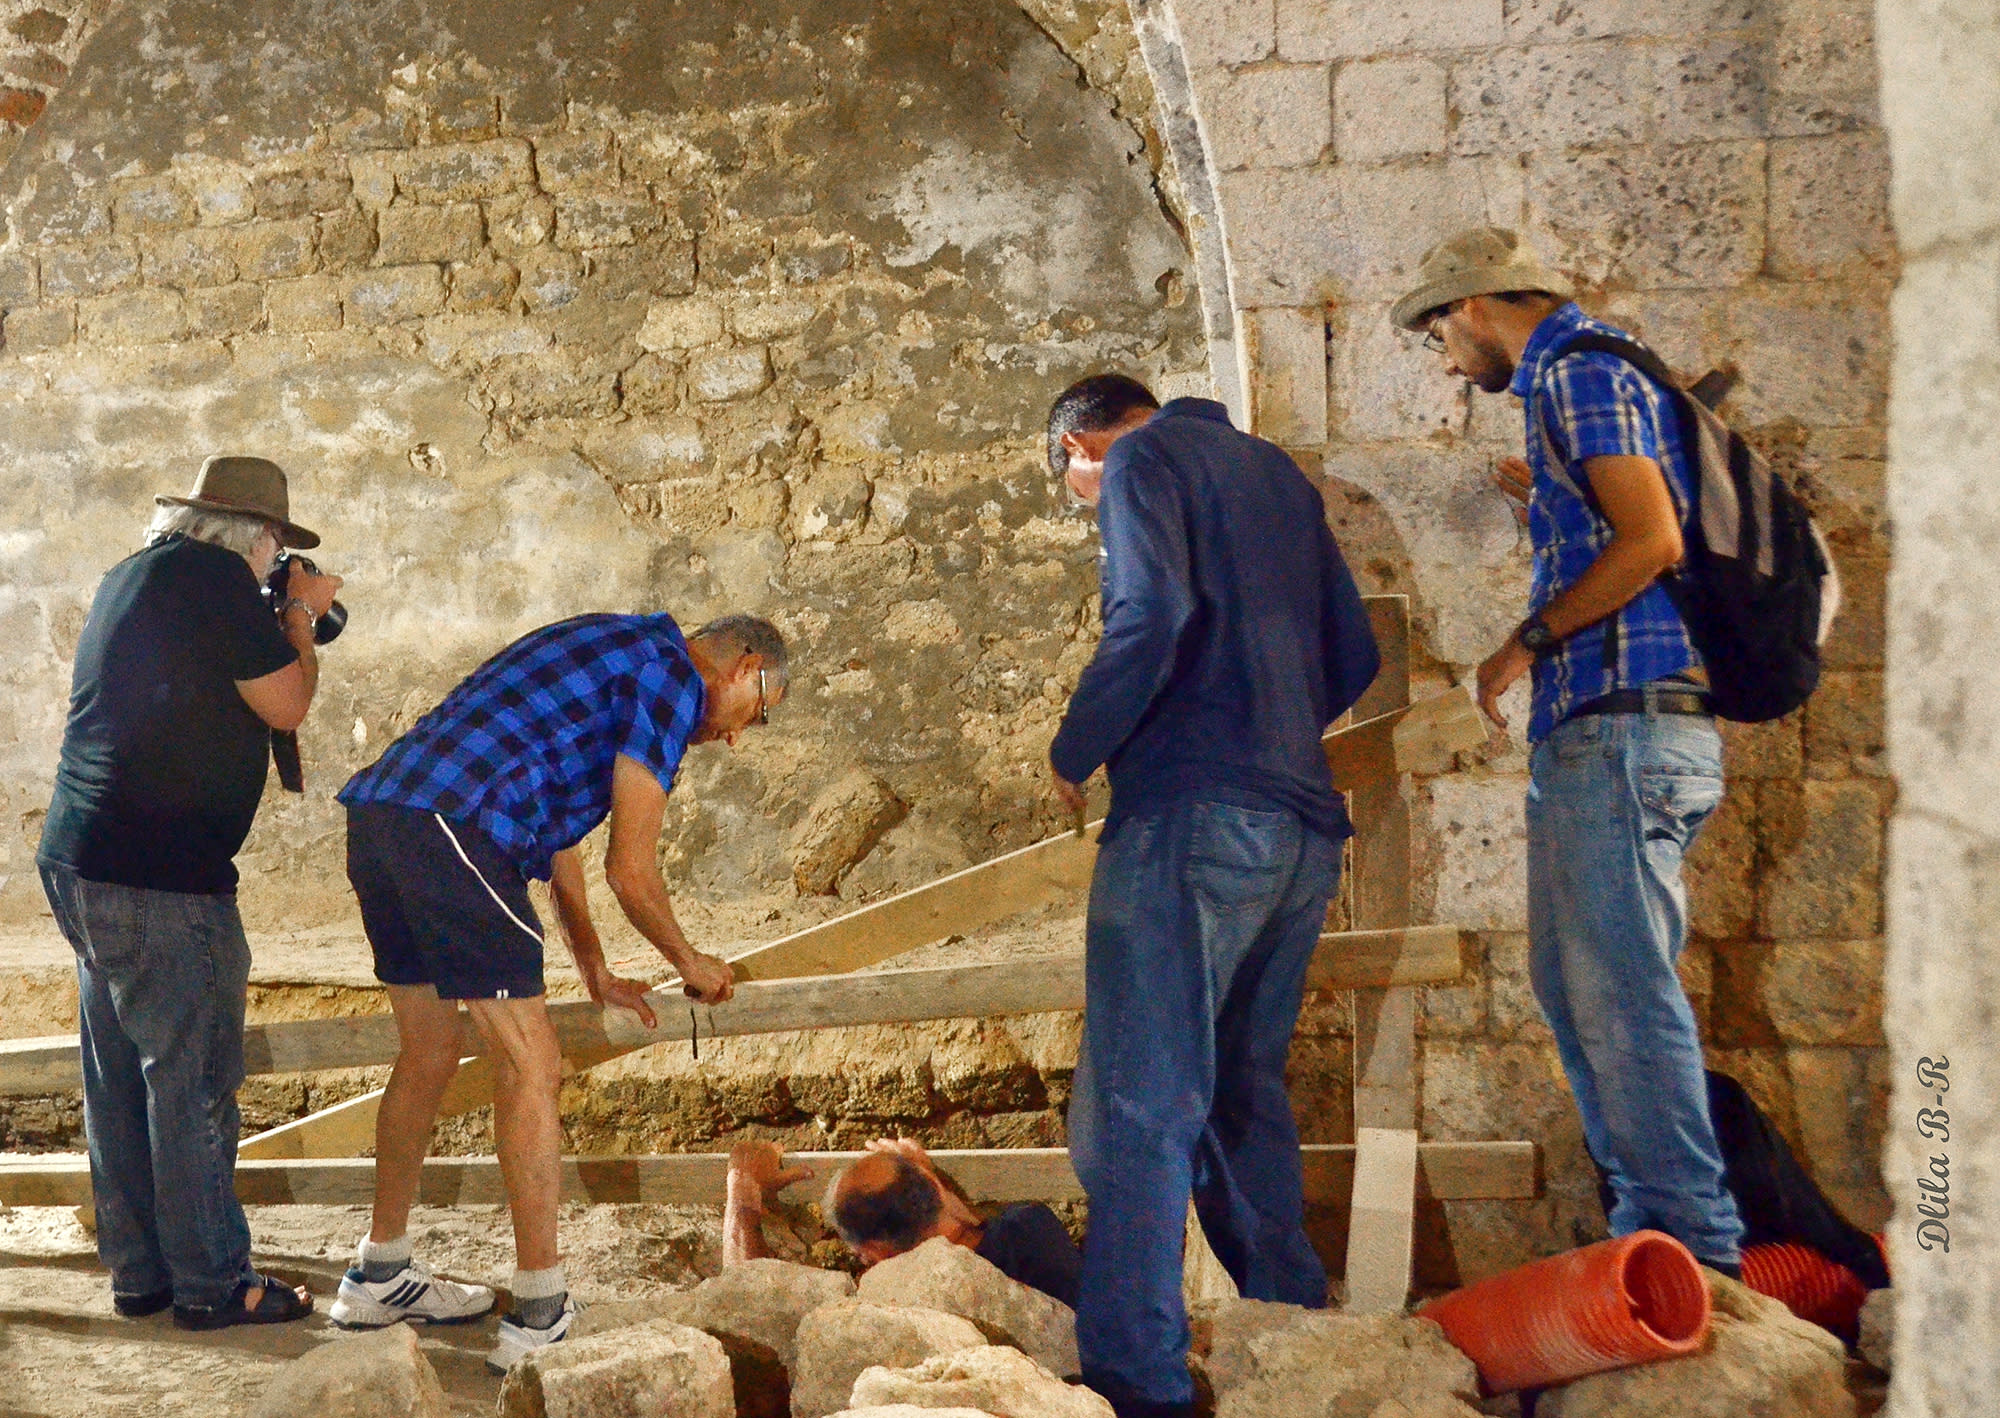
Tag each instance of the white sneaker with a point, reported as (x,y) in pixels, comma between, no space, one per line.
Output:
(516,1340)
(412,1293)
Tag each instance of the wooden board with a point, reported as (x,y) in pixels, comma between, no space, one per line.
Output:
(1425,737)
(1453,1171)
(589,1034)
(1382,1226)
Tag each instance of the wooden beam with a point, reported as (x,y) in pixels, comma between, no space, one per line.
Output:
(1381,1231)
(589,1034)
(1455,1171)
(1424,737)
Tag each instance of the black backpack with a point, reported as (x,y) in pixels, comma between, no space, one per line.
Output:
(1756,585)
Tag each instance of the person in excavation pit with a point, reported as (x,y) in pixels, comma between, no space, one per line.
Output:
(892,1201)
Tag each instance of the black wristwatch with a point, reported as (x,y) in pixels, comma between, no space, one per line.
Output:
(1535,636)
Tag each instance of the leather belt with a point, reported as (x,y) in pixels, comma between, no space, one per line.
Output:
(1650,700)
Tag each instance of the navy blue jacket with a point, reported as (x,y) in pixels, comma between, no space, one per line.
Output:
(1233,633)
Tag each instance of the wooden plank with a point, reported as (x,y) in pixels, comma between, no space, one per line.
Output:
(1453,1171)
(347,1129)
(1382,1230)
(589,1034)
(1424,737)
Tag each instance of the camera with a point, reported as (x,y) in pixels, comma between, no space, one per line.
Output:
(329,625)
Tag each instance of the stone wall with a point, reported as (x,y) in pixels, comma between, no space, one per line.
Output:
(1713,175)
(756,308)
(38,42)
(1941,105)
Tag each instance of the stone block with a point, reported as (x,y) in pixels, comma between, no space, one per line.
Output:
(366,131)
(1540,20)
(1767,750)
(1799,992)
(681,324)
(346,238)
(587,221)
(1859,632)
(465,172)
(306,304)
(765,194)
(1364,29)
(1218,33)
(802,263)
(1583,97)
(218,312)
(152,204)
(1287,358)
(1830,206)
(283,195)
(1878,1329)
(732,374)
(550,279)
(38,26)
(1714,89)
(1512,1009)
(1285,236)
(1478,835)
(93,268)
(1817,353)
(1653,217)
(1392,108)
(28,328)
(1391,215)
(391,293)
(1003,1382)
(21,107)
(837,1342)
(272,251)
(1822,65)
(1843,1102)
(1274,1361)
(1721,868)
(553,384)
(1844,728)
(1823,842)
(1760,1358)
(484,284)
(188,259)
(566,160)
(773,318)
(464,117)
(654,1368)
(20,279)
(734,260)
(941,1276)
(222,195)
(655,264)
(383,1374)
(840,827)
(1387,386)
(453,231)
(652,386)
(481,338)
(374,178)
(1271,117)
(138,317)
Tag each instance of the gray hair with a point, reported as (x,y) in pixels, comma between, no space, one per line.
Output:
(233,531)
(747,635)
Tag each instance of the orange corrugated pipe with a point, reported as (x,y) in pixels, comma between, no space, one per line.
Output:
(1625,1301)
(1808,1284)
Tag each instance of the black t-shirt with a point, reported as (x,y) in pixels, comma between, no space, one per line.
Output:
(1028,1243)
(162,761)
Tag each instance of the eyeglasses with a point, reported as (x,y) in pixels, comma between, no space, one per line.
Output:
(1433,341)
(763,704)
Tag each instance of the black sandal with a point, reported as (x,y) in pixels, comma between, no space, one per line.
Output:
(137,1307)
(279,1304)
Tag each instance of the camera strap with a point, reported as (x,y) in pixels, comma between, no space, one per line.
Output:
(285,754)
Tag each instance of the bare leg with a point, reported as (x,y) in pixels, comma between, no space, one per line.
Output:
(432,1041)
(527,1131)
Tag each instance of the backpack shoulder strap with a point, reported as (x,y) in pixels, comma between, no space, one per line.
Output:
(1641,359)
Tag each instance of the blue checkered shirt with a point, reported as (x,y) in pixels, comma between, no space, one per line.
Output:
(1596,405)
(523,748)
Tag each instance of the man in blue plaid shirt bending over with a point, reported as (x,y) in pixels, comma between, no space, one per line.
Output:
(1625,763)
(496,786)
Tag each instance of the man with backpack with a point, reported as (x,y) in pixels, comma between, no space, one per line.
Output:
(1626,760)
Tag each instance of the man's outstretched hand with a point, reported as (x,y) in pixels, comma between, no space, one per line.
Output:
(609,989)
(708,978)
(757,1173)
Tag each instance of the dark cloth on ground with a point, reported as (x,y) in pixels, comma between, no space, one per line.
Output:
(162,762)
(1028,1243)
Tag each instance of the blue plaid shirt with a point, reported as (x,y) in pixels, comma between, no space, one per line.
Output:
(1595,405)
(523,748)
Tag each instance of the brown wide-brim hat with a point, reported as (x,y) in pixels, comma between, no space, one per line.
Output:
(254,486)
(1486,260)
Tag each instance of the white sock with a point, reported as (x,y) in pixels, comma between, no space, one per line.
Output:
(382,1259)
(539,1296)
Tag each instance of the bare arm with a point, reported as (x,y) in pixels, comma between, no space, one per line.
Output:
(757,1173)
(282,697)
(638,806)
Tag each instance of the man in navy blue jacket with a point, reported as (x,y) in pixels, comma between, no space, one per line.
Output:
(1233,635)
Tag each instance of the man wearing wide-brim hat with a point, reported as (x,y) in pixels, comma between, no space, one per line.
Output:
(182,672)
(1625,760)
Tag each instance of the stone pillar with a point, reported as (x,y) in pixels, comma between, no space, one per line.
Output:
(1941,105)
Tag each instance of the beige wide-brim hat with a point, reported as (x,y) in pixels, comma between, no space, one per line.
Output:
(230,483)
(1486,260)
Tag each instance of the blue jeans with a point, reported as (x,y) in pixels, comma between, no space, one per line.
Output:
(1203,917)
(1614,800)
(161,977)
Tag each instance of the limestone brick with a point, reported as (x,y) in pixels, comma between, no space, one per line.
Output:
(1816,353)
(365,130)
(268,251)
(682,324)
(186,259)
(1842,1098)
(1359,29)
(28,328)
(565,160)
(1829,206)
(1799,992)
(734,260)
(1391,215)
(464,172)
(1284,233)
(520,222)
(1288,375)
(481,338)
(652,386)
(1844,726)
(1550,97)
(550,279)
(222,195)
(1824,844)
(306,304)
(346,237)
(1387,385)
(136,317)
(484,284)
(464,117)
(1479,836)
(1653,217)
(1270,117)
(590,220)
(763,194)
(392,293)
(1392,108)
(1767,750)
(408,235)
(374,177)
(1822,67)
(772,319)
(218,312)
(281,195)
(20,279)
(1721,868)
(1713,89)
(1226,32)
(90,269)
(152,204)
(1601,19)
(802,263)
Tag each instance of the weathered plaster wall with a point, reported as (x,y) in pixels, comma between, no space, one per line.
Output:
(554,308)
(1712,173)
(1941,105)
